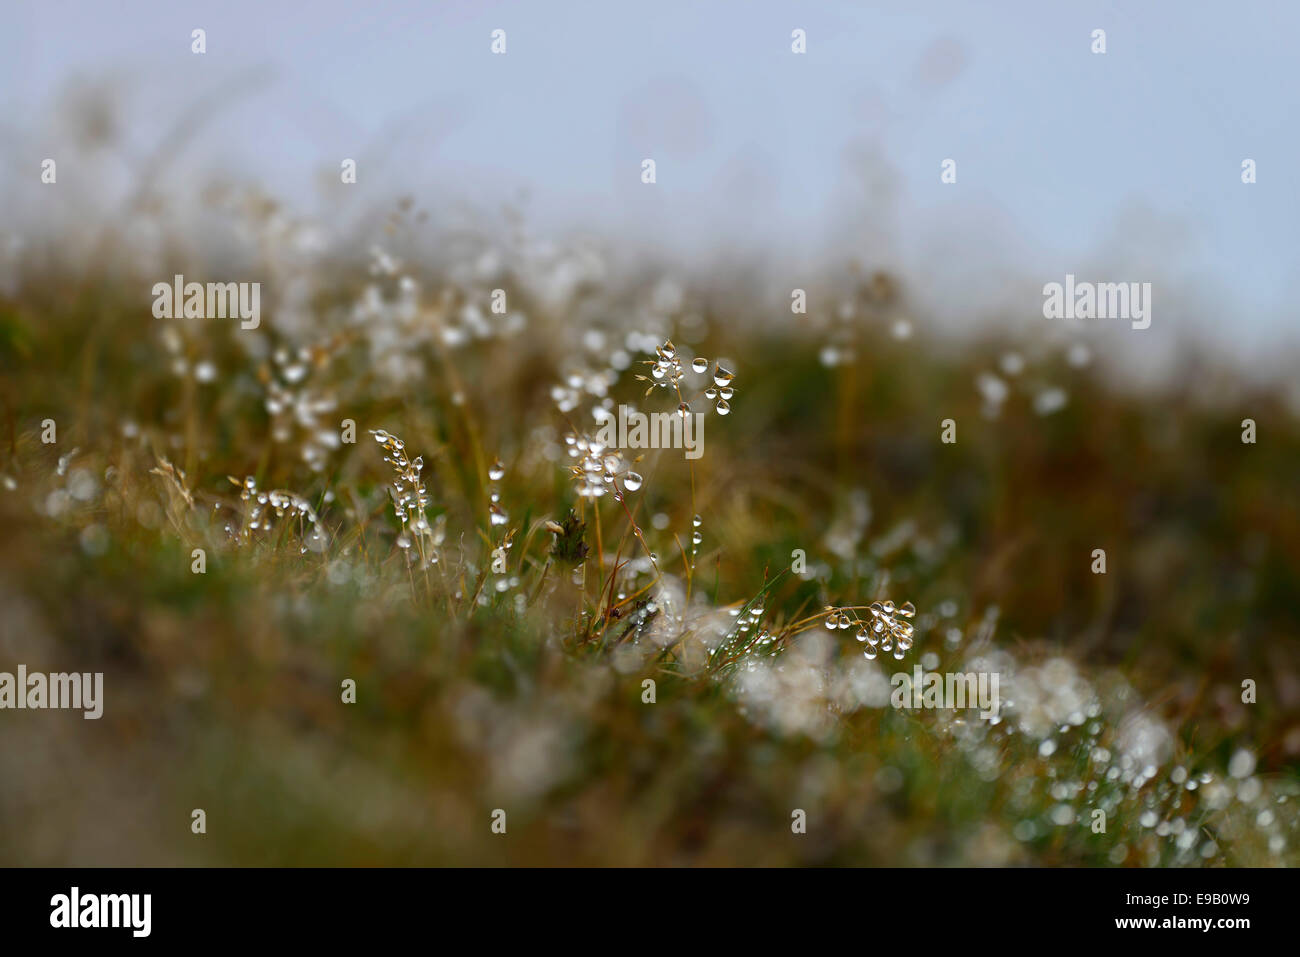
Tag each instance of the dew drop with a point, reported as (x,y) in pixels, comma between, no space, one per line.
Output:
(700,364)
(632,481)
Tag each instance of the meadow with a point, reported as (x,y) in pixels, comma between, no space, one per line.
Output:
(364,575)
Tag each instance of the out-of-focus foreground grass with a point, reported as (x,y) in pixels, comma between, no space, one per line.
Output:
(522,689)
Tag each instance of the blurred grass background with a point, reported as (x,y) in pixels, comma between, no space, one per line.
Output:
(223,689)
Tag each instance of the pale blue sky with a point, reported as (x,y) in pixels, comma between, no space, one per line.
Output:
(1127,162)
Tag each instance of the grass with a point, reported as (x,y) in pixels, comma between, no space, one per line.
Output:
(501,625)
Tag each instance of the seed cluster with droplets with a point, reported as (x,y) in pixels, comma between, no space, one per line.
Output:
(884,632)
(292,406)
(598,468)
(408,493)
(263,508)
(497,516)
(667,372)
(496,513)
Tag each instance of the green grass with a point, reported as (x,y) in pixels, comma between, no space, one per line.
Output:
(223,689)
